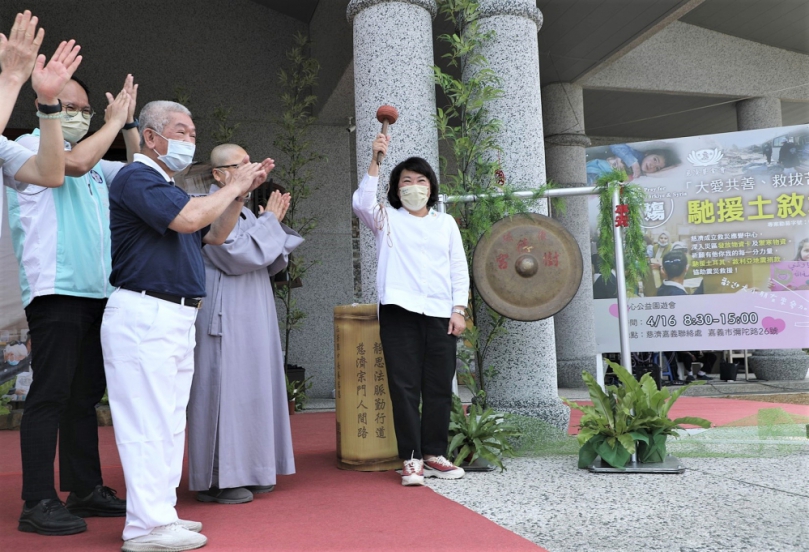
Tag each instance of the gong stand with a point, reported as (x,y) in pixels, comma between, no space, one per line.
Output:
(671,464)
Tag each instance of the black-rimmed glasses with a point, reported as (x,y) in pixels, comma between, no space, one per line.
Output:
(72,111)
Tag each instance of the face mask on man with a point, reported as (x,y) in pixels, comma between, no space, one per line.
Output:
(178,155)
(414,197)
(74,128)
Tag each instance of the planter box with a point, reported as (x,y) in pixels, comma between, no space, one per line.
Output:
(11,420)
(296,373)
(654,453)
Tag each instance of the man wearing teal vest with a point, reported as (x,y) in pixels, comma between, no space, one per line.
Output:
(61,239)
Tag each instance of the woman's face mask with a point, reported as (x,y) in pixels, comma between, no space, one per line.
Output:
(415,197)
(414,190)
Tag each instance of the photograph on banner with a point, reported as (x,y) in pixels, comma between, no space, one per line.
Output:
(727,242)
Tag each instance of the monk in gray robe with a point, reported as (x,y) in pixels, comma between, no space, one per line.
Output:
(239,437)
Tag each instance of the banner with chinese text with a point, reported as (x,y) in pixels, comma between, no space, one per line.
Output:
(727,238)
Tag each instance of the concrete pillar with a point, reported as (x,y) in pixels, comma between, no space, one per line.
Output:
(758,113)
(774,364)
(526,355)
(563,120)
(393,60)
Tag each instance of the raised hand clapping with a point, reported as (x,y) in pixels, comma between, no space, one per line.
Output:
(18,51)
(49,80)
(277,204)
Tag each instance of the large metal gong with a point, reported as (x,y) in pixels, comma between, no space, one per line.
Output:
(528,267)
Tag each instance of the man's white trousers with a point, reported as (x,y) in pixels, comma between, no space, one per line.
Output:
(148,346)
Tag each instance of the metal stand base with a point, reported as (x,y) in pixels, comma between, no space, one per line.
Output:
(479,465)
(671,464)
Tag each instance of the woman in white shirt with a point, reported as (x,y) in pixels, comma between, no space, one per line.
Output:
(423,287)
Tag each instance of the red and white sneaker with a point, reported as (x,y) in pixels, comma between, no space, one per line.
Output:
(440,467)
(413,472)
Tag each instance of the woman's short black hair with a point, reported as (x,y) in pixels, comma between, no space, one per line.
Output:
(674,263)
(417,165)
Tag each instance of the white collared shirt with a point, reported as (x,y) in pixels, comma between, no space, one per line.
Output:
(421,265)
(146,160)
(674,284)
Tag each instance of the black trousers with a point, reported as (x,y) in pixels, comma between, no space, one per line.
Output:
(420,358)
(68,383)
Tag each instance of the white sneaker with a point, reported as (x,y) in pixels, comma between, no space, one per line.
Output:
(412,472)
(195,526)
(440,467)
(167,538)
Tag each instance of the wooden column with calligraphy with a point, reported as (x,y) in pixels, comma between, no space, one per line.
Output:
(366,440)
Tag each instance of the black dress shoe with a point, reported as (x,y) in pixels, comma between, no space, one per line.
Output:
(50,517)
(102,502)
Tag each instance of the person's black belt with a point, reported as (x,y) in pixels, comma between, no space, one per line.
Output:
(193,302)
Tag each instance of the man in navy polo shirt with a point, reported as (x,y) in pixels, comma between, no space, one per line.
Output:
(148,329)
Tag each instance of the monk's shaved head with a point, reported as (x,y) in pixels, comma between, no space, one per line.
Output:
(227,154)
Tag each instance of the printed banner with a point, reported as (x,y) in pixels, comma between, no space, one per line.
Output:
(727,242)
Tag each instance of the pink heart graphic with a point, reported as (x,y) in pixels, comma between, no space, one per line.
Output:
(774,323)
(614,310)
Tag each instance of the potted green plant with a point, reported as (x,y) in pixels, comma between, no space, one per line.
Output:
(6,415)
(634,412)
(296,394)
(479,433)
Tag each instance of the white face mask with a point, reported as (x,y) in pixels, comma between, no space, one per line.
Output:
(178,155)
(74,128)
(414,197)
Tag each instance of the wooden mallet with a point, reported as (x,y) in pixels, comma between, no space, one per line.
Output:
(386,115)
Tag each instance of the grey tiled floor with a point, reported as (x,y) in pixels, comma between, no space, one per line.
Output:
(718,504)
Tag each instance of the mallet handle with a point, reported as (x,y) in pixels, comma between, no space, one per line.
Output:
(380,156)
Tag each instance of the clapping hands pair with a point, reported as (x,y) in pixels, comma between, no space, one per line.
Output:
(277,204)
(248,176)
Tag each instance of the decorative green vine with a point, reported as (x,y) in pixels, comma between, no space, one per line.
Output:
(634,197)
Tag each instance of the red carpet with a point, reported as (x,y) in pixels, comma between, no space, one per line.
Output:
(320,508)
(719,411)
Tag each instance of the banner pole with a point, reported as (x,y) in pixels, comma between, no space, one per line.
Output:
(623,322)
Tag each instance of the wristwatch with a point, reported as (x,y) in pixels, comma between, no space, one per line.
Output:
(133,124)
(50,109)
(462,312)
